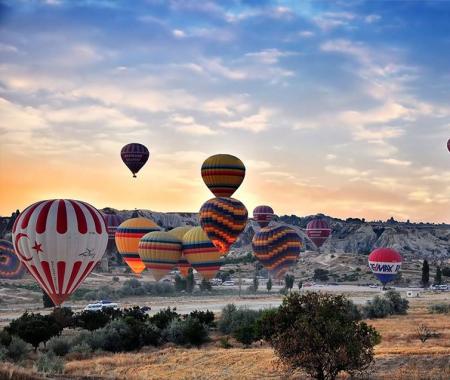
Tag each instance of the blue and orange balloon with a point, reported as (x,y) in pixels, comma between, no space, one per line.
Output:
(385,263)
(223,220)
(277,248)
(134,156)
(10,266)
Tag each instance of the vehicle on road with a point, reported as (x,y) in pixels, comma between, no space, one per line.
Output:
(101,305)
(228,283)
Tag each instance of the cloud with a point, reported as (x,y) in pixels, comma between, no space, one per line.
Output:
(306,34)
(331,20)
(395,162)
(190,126)
(346,171)
(178,33)
(216,66)
(372,18)
(255,123)
(270,56)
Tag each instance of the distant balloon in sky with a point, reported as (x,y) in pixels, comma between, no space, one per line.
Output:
(160,252)
(60,241)
(11,267)
(385,263)
(223,219)
(201,253)
(318,231)
(112,222)
(223,174)
(277,248)
(127,238)
(448,145)
(134,156)
(182,265)
(263,215)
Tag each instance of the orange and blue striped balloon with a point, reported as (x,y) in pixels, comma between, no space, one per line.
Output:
(160,252)
(223,174)
(201,253)
(223,220)
(127,238)
(11,268)
(277,248)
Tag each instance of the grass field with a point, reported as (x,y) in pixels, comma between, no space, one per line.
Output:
(401,355)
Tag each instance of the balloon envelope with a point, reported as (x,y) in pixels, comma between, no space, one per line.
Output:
(10,266)
(263,215)
(134,156)
(223,219)
(182,265)
(201,253)
(318,231)
(60,241)
(277,248)
(223,174)
(112,221)
(127,238)
(448,145)
(160,252)
(385,263)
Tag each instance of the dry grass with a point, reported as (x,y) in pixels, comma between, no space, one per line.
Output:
(400,356)
(9,371)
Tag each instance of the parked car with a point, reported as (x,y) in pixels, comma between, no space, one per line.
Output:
(228,283)
(101,305)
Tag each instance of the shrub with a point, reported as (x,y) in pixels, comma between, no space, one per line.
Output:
(226,318)
(225,342)
(389,304)
(289,280)
(116,279)
(18,349)
(320,275)
(59,345)
(92,320)
(34,328)
(63,316)
(205,317)
(3,353)
(180,283)
(269,285)
(399,305)
(150,335)
(5,338)
(116,336)
(46,300)
(164,317)
(188,331)
(320,334)
(439,308)
(50,363)
(205,285)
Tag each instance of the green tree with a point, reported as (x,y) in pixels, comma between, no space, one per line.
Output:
(34,328)
(255,283)
(289,280)
(190,281)
(425,273)
(269,285)
(438,276)
(320,275)
(46,300)
(180,283)
(300,285)
(333,340)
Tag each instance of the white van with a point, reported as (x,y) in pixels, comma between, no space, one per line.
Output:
(101,305)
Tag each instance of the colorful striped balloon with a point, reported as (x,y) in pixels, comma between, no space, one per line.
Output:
(160,252)
(134,156)
(385,263)
(10,266)
(60,241)
(223,219)
(127,238)
(277,248)
(182,265)
(223,174)
(112,222)
(263,215)
(201,253)
(318,231)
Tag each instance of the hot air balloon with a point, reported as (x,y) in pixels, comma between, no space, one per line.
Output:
(182,265)
(223,174)
(201,253)
(263,215)
(223,219)
(60,241)
(318,231)
(385,263)
(112,221)
(10,266)
(134,156)
(448,145)
(127,238)
(160,252)
(277,248)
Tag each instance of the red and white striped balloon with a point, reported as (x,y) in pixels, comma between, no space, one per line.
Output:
(60,241)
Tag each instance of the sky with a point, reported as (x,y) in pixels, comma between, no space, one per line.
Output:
(339,107)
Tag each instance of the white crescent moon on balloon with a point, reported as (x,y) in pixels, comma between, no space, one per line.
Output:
(16,243)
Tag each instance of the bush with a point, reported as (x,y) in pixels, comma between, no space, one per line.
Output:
(18,349)
(320,334)
(93,320)
(5,338)
(439,308)
(225,342)
(320,275)
(3,354)
(116,336)
(59,345)
(188,331)
(63,316)
(164,317)
(180,283)
(399,305)
(226,318)
(389,304)
(205,285)
(116,279)
(205,317)
(34,328)
(50,364)
(150,335)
